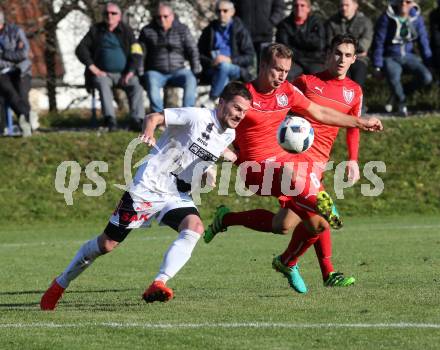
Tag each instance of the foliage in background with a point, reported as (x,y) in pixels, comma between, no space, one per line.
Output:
(410,148)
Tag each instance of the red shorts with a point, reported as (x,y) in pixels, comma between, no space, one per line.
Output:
(273,178)
(301,208)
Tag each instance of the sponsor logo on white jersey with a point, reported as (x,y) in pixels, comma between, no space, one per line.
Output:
(348,94)
(282,100)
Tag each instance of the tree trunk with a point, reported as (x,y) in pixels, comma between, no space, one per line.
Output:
(50,53)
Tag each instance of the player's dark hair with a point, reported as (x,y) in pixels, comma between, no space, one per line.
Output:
(235,88)
(275,50)
(343,39)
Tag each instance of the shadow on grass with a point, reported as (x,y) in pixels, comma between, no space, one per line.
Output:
(75,306)
(70,291)
(18,306)
(72,305)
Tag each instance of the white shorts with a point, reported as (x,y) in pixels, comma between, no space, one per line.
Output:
(134,212)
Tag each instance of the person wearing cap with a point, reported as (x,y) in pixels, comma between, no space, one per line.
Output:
(15,72)
(226,50)
(112,55)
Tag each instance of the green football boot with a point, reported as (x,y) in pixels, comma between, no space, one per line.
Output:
(337,279)
(216,225)
(327,209)
(291,273)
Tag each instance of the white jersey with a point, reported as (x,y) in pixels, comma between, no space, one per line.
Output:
(192,135)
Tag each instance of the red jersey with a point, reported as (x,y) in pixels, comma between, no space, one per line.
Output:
(256,135)
(342,95)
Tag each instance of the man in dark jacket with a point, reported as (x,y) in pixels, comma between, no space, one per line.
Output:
(15,73)
(167,43)
(351,21)
(396,31)
(434,23)
(111,56)
(260,17)
(304,33)
(226,50)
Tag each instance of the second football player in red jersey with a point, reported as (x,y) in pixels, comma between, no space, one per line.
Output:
(328,90)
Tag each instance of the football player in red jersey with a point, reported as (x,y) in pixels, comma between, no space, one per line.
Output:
(327,89)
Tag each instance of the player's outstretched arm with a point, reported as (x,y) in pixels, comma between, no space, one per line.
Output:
(151,121)
(330,116)
(352,140)
(353,173)
(230,155)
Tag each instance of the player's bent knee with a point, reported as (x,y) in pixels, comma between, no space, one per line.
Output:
(281,228)
(106,244)
(284,221)
(192,222)
(316,224)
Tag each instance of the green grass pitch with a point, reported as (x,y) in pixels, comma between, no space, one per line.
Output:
(227,296)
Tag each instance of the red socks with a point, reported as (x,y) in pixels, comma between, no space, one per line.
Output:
(301,240)
(257,219)
(323,250)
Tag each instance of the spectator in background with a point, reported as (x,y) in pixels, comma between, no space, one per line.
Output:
(111,55)
(226,50)
(304,33)
(15,72)
(349,20)
(168,43)
(396,31)
(260,17)
(434,21)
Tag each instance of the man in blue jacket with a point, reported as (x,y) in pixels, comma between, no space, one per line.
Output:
(226,50)
(396,31)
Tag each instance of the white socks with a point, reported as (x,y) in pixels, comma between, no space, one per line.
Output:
(177,255)
(174,259)
(82,260)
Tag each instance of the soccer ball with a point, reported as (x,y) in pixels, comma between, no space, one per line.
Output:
(295,134)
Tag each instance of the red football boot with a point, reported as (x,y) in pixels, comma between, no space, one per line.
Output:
(158,291)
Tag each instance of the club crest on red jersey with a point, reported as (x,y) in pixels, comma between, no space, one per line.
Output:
(282,100)
(348,94)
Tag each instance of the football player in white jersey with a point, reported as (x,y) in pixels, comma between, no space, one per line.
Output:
(194,138)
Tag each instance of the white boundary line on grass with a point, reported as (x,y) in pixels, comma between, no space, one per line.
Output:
(257,325)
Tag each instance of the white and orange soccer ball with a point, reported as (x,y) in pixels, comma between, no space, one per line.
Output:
(295,134)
